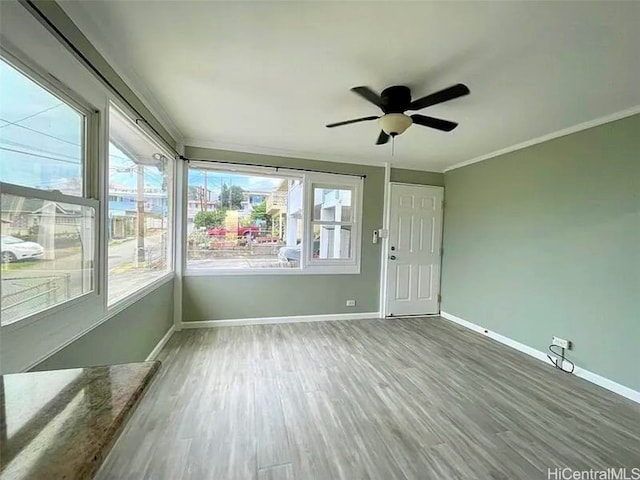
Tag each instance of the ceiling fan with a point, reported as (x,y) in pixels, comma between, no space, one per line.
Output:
(396,100)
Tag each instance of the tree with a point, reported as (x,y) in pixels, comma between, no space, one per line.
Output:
(260,213)
(231,197)
(210,219)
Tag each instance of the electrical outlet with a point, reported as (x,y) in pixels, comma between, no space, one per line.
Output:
(561,342)
(351,303)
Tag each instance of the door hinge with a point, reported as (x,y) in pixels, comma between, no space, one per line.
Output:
(443,204)
(439,298)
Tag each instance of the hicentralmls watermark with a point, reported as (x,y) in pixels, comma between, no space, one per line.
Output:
(558,473)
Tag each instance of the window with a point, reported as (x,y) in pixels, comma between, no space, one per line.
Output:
(239,221)
(140,183)
(332,222)
(41,137)
(259,220)
(48,223)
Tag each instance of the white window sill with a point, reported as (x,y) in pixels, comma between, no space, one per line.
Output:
(315,270)
(48,312)
(124,303)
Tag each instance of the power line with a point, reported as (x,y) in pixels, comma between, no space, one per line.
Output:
(30,116)
(42,133)
(37,155)
(111,155)
(78,162)
(25,145)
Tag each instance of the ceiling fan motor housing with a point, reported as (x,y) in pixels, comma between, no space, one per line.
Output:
(395,99)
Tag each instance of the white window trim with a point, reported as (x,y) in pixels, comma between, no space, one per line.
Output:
(90,161)
(91,166)
(42,59)
(48,195)
(54,196)
(333,265)
(319,267)
(124,302)
(129,300)
(42,78)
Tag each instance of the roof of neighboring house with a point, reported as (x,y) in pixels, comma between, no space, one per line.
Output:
(34,206)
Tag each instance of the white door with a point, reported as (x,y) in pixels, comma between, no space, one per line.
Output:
(414,250)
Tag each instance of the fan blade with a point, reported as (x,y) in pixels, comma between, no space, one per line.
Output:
(355,120)
(436,123)
(445,95)
(369,95)
(383,138)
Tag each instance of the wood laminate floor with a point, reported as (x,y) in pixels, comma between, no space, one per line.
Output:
(374,399)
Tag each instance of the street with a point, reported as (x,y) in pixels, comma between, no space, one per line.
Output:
(124,276)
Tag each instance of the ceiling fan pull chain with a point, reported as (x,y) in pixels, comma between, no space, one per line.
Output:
(393,145)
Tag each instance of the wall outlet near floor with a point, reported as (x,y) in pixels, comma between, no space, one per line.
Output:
(351,303)
(561,342)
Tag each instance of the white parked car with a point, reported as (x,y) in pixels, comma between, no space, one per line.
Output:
(16,249)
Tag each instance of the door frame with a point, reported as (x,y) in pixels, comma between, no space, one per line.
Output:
(384,304)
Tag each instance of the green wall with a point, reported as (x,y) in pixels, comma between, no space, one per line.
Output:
(546,241)
(129,336)
(247,296)
(418,177)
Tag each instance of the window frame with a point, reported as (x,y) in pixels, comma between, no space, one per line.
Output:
(124,302)
(91,123)
(334,265)
(53,196)
(89,167)
(34,50)
(306,267)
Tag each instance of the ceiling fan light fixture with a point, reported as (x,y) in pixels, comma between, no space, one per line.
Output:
(395,123)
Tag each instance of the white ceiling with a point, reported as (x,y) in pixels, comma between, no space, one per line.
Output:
(266,77)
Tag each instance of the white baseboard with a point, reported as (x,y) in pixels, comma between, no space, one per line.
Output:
(163,341)
(238,322)
(579,372)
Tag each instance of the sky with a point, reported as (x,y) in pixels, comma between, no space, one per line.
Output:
(41,139)
(215,180)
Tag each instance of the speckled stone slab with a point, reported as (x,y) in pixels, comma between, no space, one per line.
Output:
(60,424)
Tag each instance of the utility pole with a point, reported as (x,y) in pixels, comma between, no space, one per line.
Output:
(140,229)
(206,193)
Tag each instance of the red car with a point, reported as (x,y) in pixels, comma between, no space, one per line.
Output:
(240,231)
(217,232)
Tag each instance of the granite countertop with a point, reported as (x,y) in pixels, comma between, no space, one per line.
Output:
(62,423)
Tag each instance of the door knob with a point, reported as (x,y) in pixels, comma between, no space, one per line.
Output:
(392,257)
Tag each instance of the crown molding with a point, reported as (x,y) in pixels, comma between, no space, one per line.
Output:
(194,142)
(550,136)
(281,152)
(124,69)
